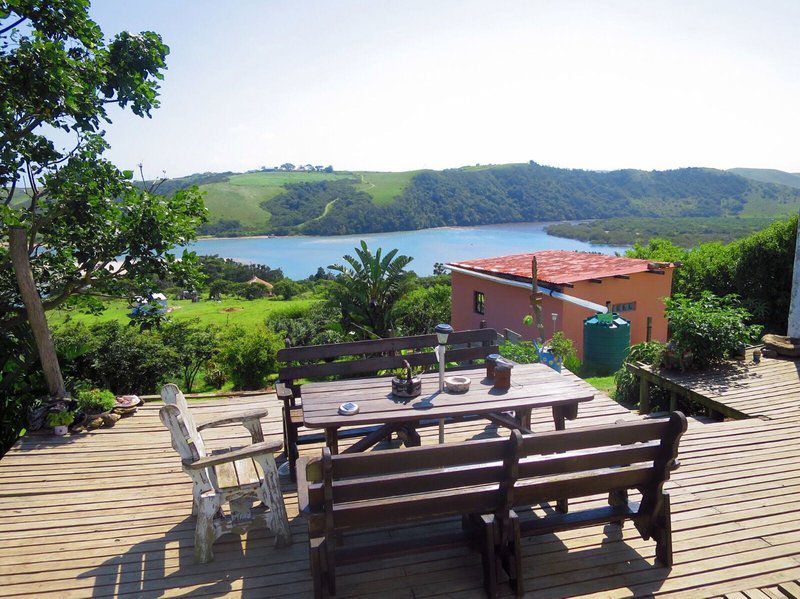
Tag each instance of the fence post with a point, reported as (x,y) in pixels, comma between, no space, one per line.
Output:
(644,395)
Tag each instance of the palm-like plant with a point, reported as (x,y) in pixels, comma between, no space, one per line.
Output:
(368,288)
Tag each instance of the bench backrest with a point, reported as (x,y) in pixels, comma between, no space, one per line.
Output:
(382,488)
(373,356)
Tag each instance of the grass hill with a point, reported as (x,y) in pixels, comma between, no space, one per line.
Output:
(335,203)
(769,175)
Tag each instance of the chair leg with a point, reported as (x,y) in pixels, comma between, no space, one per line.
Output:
(271,496)
(318,570)
(662,533)
(617,498)
(489,555)
(290,441)
(204,534)
(195,499)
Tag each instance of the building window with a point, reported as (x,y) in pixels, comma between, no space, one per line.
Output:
(626,307)
(480,302)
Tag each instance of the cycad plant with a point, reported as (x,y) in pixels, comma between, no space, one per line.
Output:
(368,288)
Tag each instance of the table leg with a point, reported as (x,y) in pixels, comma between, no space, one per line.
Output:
(559,417)
(332,439)
(412,436)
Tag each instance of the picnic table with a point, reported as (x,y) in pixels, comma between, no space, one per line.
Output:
(532,386)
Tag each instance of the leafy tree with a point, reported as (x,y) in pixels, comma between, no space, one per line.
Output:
(367,290)
(67,214)
(194,346)
(287,288)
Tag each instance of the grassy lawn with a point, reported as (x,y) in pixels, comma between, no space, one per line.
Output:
(603,383)
(227,312)
(384,187)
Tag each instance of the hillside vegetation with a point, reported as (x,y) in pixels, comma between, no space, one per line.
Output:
(337,203)
(684,232)
(769,175)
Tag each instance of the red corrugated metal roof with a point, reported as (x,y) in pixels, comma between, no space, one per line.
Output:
(558,267)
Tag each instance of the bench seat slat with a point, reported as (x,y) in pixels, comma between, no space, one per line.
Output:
(558,522)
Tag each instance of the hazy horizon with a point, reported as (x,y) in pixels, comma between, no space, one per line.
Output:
(379,86)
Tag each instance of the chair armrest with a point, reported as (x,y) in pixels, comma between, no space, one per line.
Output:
(250,451)
(233,418)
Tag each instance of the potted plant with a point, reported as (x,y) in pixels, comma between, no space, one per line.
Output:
(60,421)
(556,351)
(96,401)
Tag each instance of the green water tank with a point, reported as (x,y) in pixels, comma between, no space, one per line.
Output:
(606,338)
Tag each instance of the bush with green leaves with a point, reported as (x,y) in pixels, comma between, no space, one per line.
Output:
(710,328)
(627,384)
(95,401)
(287,289)
(55,419)
(418,312)
(249,356)
(316,325)
(523,352)
(194,346)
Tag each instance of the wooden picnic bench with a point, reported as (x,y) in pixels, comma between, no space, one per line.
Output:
(490,483)
(359,358)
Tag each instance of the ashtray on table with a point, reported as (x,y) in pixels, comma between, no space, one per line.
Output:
(457,384)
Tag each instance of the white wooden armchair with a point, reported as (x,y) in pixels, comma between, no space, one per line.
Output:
(237,477)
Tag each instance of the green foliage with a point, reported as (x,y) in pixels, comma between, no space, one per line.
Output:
(710,328)
(249,356)
(250,291)
(287,289)
(55,419)
(627,384)
(419,311)
(215,268)
(684,232)
(95,401)
(317,326)
(523,352)
(117,357)
(367,290)
(757,268)
(215,376)
(194,345)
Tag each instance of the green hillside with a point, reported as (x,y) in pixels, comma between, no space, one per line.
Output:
(336,203)
(769,175)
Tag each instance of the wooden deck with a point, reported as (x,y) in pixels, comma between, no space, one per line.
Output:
(108,513)
(738,389)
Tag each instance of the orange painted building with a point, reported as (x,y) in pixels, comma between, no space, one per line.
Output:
(497,290)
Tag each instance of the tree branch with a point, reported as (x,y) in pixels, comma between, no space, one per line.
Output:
(10,27)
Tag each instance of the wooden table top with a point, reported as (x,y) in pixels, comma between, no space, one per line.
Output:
(532,386)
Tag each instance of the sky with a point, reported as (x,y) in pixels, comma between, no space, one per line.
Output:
(404,85)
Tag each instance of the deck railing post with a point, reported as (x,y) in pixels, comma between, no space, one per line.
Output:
(644,395)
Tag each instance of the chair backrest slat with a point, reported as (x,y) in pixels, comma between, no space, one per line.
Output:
(172,396)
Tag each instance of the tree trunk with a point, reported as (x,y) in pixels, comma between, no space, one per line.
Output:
(18,249)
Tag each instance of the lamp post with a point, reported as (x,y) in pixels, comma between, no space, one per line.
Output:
(442,333)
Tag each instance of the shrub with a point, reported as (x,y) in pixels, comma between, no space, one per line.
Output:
(523,352)
(129,361)
(94,401)
(55,419)
(287,288)
(248,357)
(418,312)
(627,391)
(312,326)
(215,376)
(711,328)
(194,345)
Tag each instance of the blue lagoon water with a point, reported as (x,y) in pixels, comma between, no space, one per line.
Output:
(300,257)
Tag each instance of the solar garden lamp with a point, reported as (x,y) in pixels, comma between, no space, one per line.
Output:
(443,331)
